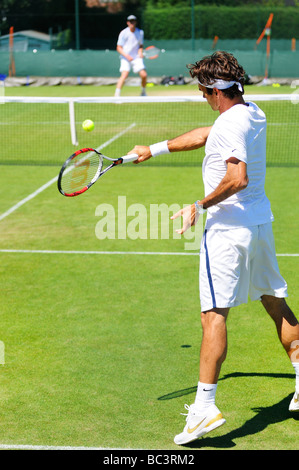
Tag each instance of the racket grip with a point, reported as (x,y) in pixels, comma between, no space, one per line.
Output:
(130,158)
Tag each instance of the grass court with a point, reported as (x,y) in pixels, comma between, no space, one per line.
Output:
(101,337)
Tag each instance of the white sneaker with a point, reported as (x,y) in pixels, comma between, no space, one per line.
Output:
(199,423)
(294,405)
(143,93)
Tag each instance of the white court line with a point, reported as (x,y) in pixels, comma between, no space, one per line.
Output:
(28,198)
(287,254)
(74,252)
(53,180)
(33,447)
(150,253)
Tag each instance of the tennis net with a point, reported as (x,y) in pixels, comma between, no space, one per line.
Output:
(45,131)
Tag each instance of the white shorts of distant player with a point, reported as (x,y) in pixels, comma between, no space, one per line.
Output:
(237,263)
(136,64)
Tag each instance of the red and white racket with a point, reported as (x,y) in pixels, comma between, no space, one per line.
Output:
(83,168)
(151,52)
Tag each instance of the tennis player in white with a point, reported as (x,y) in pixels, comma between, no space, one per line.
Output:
(130,48)
(237,255)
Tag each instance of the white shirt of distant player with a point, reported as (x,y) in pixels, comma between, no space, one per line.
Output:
(238,132)
(131,41)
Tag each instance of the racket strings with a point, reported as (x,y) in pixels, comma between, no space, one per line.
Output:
(81,171)
(151,52)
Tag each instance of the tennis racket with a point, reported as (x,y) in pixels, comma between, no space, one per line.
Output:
(151,52)
(82,169)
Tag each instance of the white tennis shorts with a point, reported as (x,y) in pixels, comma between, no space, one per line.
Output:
(137,65)
(238,263)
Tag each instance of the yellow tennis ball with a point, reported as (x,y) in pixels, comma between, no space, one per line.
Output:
(88,125)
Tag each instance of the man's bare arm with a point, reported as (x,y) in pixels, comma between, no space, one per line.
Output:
(191,140)
(121,51)
(234,181)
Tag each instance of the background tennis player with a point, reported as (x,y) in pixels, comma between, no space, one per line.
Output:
(130,47)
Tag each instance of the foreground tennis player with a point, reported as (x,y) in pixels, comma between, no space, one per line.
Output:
(237,255)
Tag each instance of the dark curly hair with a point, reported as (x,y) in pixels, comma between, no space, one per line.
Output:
(220,65)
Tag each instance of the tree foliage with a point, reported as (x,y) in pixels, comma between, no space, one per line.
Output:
(159,18)
(230,3)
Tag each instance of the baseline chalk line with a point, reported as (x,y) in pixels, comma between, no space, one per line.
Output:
(74,252)
(95,252)
(45,447)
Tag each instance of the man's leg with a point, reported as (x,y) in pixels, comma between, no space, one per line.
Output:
(287,328)
(143,76)
(212,355)
(214,344)
(286,323)
(203,416)
(123,76)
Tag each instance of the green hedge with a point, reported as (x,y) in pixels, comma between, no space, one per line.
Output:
(226,22)
(231,3)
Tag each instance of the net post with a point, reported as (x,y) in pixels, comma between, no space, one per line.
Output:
(72,122)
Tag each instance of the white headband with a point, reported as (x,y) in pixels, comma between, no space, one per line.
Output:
(222,85)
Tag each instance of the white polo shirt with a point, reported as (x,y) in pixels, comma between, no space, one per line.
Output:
(131,41)
(238,132)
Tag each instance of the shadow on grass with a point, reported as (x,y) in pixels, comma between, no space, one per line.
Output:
(187,391)
(265,415)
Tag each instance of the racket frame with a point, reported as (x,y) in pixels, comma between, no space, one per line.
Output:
(148,49)
(99,172)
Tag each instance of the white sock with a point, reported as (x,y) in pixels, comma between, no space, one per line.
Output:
(117,92)
(296,367)
(205,395)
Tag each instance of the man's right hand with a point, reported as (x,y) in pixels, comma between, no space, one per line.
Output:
(143,152)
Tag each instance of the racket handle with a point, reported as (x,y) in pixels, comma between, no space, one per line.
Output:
(130,158)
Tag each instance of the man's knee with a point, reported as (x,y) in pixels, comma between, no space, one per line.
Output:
(215,319)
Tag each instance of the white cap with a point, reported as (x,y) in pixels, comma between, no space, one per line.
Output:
(131,17)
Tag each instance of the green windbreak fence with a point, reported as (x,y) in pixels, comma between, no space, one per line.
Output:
(282,45)
(170,62)
(45,131)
